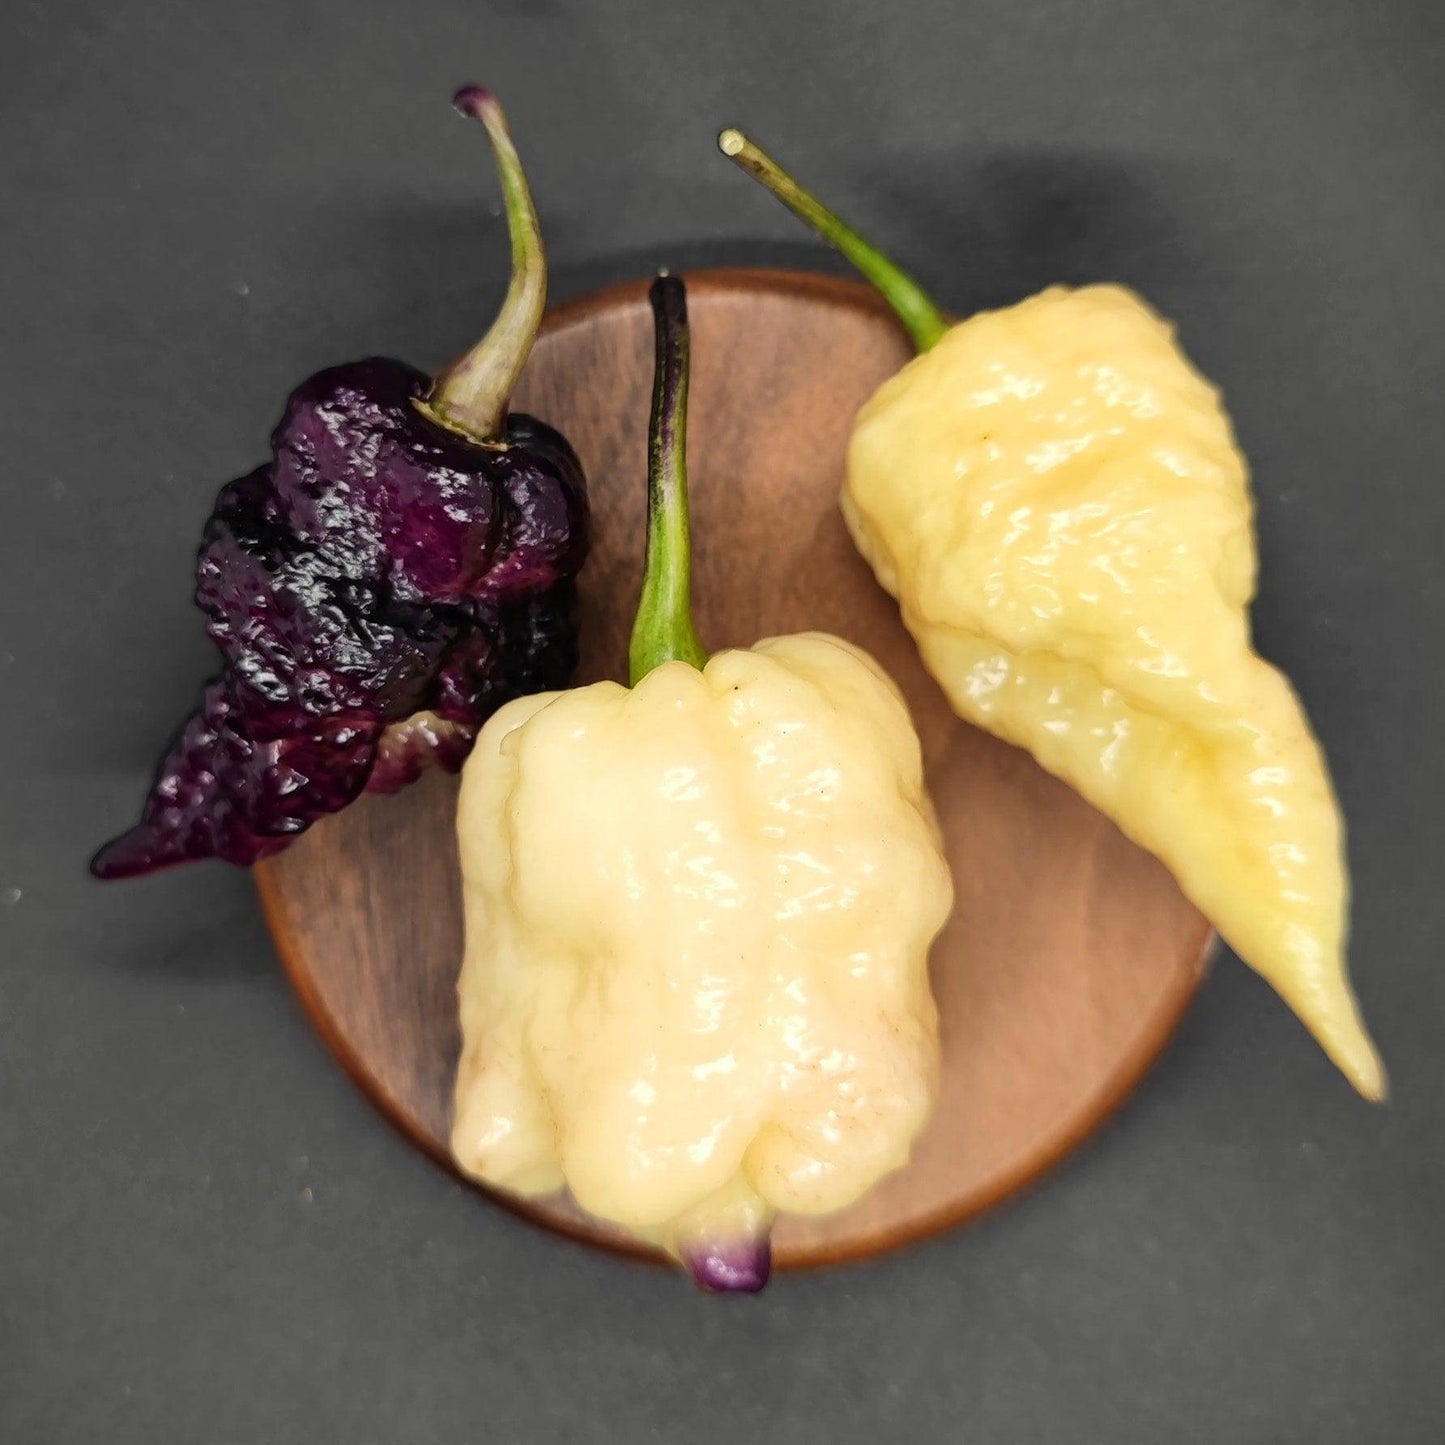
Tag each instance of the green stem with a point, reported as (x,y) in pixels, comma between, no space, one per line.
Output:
(925,322)
(471,395)
(664,630)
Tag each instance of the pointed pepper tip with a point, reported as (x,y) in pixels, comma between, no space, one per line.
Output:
(132,854)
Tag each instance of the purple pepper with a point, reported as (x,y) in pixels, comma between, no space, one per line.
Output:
(402,567)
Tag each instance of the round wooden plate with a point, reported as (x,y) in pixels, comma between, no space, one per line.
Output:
(1071,954)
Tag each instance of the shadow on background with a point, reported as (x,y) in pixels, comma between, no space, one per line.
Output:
(1018,222)
(209,929)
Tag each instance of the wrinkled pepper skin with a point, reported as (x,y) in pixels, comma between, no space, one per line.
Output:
(1055,497)
(376,592)
(695,989)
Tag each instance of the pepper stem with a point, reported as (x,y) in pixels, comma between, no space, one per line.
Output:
(924,321)
(471,395)
(664,630)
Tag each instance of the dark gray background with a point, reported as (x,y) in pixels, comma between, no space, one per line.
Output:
(205,1234)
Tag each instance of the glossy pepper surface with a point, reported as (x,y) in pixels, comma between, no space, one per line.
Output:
(698,913)
(401,567)
(1056,499)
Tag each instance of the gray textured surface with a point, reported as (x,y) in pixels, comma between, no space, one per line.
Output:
(205,1235)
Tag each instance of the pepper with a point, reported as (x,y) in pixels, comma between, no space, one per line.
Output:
(698,913)
(1055,497)
(402,566)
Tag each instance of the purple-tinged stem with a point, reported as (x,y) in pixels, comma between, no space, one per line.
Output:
(471,395)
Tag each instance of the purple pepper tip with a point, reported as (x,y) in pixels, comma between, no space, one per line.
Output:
(474,100)
(739,1266)
(144,849)
(128,856)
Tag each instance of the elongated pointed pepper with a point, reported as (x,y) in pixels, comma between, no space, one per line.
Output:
(698,914)
(1055,497)
(401,567)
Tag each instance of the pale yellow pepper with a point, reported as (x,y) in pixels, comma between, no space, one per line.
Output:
(698,914)
(698,917)
(1055,497)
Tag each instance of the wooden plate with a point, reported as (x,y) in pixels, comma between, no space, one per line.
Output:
(1071,954)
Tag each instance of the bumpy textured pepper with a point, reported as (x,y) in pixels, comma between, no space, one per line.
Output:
(1055,497)
(698,914)
(401,567)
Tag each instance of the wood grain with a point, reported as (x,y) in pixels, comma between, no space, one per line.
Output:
(1071,954)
